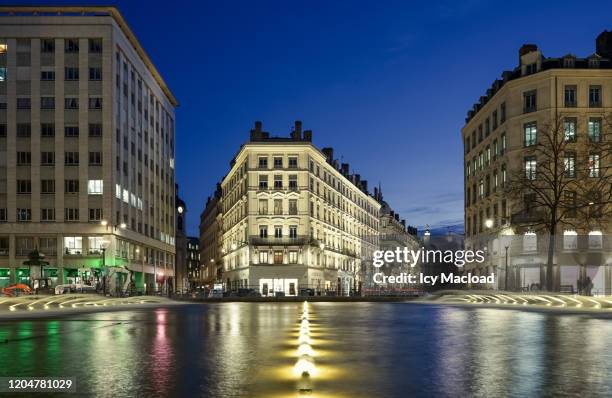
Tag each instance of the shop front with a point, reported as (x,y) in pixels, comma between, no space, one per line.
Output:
(5,277)
(269,287)
(22,275)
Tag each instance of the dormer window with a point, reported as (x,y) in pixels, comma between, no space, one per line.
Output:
(531,69)
(569,62)
(594,62)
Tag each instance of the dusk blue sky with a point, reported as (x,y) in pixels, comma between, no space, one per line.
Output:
(387,84)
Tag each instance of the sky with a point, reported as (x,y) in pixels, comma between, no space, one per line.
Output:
(386,83)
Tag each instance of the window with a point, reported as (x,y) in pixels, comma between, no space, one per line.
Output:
(278,162)
(71,186)
(47,130)
(502,110)
(2,130)
(71,131)
(263,231)
(71,103)
(263,257)
(495,150)
(293,231)
(47,102)
(495,181)
(467,145)
(47,45)
(293,207)
(71,158)
(293,182)
(47,186)
(95,45)
(94,187)
(278,231)
(2,214)
(530,167)
(73,244)
(570,96)
(71,74)
(24,158)
(278,206)
(594,129)
(95,158)
(71,45)
(47,75)
(24,186)
(569,129)
(95,130)
(293,162)
(263,182)
(503,144)
(531,69)
(529,101)
(71,214)
(47,158)
(95,103)
(263,162)
(595,96)
(23,103)
(278,181)
(570,240)
(530,133)
(24,129)
(47,214)
(494,116)
(530,242)
(293,257)
(24,215)
(3,75)
(95,74)
(95,214)
(569,162)
(278,257)
(570,203)
(594,165)
(481,188)
(263,206)
(595,240)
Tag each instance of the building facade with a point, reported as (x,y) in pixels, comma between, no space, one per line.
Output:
(293,218)
(505,137)
(86,150)
(211,239)
(194,270)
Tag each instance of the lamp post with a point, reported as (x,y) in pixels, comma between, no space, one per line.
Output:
(488,225)
(506,269)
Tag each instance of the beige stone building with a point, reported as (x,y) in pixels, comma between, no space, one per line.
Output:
(293,219)
(499,136)
(211,239)
(87,133)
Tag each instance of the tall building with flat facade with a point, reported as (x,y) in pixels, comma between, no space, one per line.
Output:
(293,218)
(507,138)
(87,133)
(211,240)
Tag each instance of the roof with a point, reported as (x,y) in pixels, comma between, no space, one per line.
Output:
(94,11)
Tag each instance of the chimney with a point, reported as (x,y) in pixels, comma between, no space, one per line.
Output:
(256,132)
(296,134)
(357,179)
(308,135)
(329,153)
(344,169)
(404,223)
(396,217)
(526,49)
(375,193)
(364,185)
(603,44)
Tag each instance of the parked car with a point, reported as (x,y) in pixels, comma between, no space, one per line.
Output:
(74,288)
(215,293)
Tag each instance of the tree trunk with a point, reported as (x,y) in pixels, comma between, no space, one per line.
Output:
(549,264)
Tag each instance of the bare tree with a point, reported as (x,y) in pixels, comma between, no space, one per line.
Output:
(566,179)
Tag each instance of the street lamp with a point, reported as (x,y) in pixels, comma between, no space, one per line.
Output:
(322,246)
(489,223)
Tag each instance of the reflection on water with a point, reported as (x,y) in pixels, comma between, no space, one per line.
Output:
(362,349)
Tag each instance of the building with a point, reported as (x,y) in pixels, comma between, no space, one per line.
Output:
(87,132)
(182,254)
(211,239)
(394,233)
(293,218)
(500,136)
(194,270)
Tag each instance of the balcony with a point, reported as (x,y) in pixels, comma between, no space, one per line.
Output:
(272,241)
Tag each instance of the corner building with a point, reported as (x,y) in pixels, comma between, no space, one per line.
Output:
(498,135)
(293,218)
(86,151)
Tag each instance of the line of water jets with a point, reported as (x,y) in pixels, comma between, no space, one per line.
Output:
(305,366)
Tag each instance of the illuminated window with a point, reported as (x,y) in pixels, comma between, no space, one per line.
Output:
(570,240)
(595,240)
(94,187)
